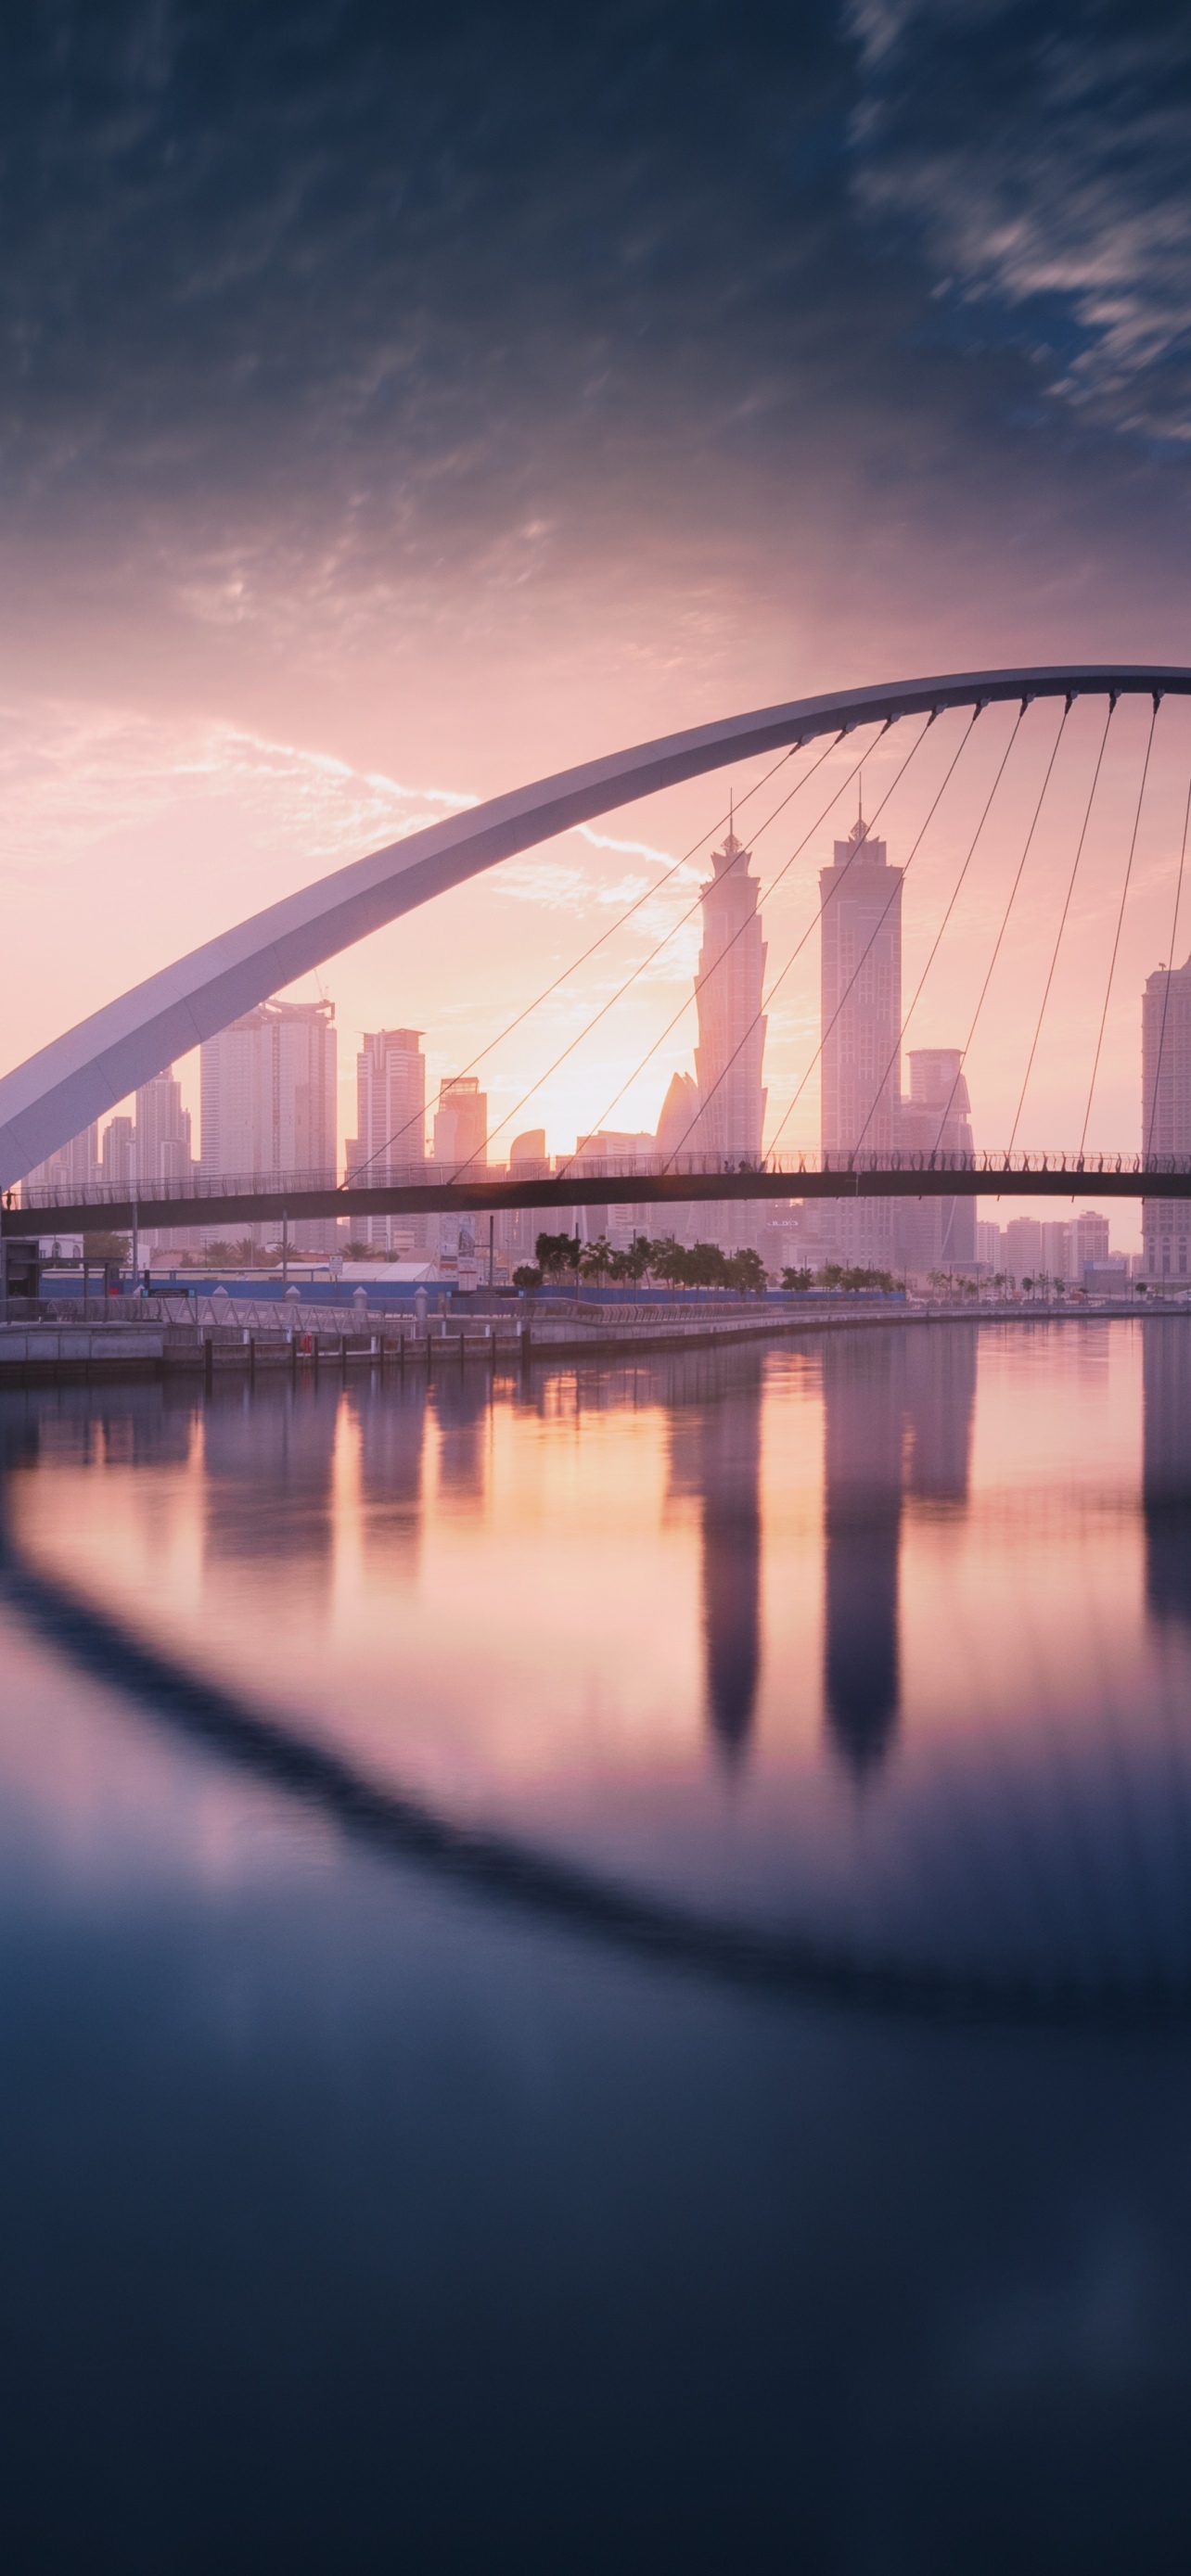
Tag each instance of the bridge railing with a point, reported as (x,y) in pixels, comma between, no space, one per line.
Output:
(619,1172)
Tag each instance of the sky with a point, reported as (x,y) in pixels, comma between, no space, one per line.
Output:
(396,406)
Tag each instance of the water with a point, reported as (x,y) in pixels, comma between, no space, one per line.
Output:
(596,1974)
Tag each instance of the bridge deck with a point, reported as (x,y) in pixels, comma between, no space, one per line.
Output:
(1107,1178)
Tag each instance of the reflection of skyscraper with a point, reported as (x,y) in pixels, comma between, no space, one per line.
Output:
(268,1488)
(730,1460)
(899,1407)
(1166,1467)
(391,1421)
(714,1404)
(940,1398)
(862,1506)
(462,1406)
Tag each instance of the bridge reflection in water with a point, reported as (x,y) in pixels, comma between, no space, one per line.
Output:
(389,1570)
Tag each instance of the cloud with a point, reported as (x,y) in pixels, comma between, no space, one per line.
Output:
(72,776)
(1040,158)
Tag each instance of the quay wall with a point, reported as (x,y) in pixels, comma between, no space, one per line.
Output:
(155,1341)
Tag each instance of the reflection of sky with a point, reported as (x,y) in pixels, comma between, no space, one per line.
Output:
(678,1623)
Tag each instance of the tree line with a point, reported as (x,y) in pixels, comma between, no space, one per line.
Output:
(561,1257)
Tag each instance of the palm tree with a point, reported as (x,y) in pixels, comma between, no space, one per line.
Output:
(595,1260)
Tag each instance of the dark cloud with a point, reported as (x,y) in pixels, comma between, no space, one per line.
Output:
(1039,156)
(400,282)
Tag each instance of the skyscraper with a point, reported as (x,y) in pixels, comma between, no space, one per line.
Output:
(268,1094)
(390,1127)
(1166,1112)
(731,1048)
(162,1130)
(118,1160)
(390,1104)
(461,1123)
(861,986)
(73,1164)
(935,1234)
(269,1103)
(161,1150)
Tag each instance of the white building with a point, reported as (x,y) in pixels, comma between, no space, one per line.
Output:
(269,1104)
(390,1130)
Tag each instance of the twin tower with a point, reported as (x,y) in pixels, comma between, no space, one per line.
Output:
(722,1112)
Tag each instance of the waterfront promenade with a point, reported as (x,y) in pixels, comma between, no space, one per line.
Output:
(164,1336)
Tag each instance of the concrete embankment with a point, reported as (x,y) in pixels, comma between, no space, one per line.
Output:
(55,1352)
(158,1343)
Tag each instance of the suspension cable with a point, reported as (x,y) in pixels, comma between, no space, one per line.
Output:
(792,1104)
(609,933)
(1174,927)
(1004,924)
(895,1058)
(1112,963)
(700,980)
(639,970)
(1063,919)
(796,951)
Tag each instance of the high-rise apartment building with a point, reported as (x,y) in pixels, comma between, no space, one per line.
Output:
(1091,1240)
(269,1101)
(936,1234)
(731,1048)
(390,1129)
(461,1124)
(390,1104)
(117,1161)
(268,1094)
(161,1151)
(162,1130)
(1057,1251)
(1023,1248)
(1166,1112)
(517,1229)
(861,985)
(73,1166)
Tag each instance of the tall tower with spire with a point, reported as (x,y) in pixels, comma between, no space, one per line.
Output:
(731,1048)
(861,999)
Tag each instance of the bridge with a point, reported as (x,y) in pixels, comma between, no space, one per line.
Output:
(60,1090)
(253,1200)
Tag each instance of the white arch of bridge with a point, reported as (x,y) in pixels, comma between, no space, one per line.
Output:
(56,1093)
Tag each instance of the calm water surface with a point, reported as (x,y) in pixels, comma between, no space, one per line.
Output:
(690,2064)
